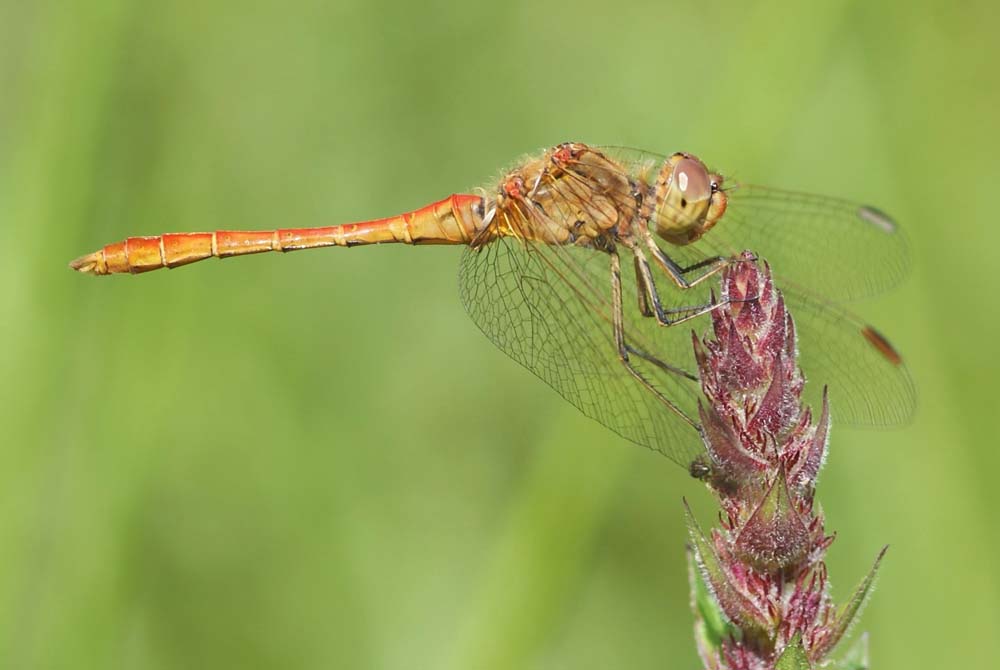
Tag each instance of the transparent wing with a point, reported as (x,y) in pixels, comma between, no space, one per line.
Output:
(868,380)
(833,247)
(869,384)
(549,308)
(547,304)
(838,248)
(818,248)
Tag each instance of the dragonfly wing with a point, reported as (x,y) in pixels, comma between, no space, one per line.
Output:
(868,381)
(835,247)
(549,308)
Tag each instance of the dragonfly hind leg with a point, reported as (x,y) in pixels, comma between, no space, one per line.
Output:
(666,367)
(618,324)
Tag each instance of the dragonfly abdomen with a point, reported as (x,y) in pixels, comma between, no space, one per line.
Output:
(454,220)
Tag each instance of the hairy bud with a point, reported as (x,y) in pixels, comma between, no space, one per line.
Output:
(762,572)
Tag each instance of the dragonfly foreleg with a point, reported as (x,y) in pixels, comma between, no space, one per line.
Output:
(665,317)
(618,324)
(709,262)
(709,267)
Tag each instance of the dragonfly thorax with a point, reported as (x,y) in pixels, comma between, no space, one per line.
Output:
(688,200)
(573,194)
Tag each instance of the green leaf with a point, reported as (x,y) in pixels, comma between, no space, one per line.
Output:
(857,657)
(794,656)
(850,610)
(712,625)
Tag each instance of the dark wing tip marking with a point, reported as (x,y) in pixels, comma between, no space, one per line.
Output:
(882,345)
(877,218)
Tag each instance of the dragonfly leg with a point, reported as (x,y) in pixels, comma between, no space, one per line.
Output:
(666,367)
(666,317)
(618,324)
(709,267)
(644,307)
(710,261)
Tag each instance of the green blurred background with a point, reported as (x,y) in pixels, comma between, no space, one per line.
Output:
(316,460)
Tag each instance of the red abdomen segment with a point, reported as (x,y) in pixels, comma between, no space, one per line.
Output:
(449,221)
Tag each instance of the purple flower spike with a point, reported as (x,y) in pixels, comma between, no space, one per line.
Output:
(759,583)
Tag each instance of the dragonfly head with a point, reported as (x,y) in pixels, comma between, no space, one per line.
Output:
(689,200)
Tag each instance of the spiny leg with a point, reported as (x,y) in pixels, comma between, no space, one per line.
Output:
(666,367)
(710,266)
(644,307)
(644,277)
(617,321)
(710,261)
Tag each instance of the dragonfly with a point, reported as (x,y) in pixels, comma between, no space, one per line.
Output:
(582,263)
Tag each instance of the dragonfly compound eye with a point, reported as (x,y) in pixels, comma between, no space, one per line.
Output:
(692,182)
(688,201)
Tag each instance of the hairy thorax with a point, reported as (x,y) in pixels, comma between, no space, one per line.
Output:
(572,194)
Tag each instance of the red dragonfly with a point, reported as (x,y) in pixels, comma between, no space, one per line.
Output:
(542,275)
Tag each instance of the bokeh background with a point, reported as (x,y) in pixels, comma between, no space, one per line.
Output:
(316,460)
